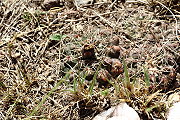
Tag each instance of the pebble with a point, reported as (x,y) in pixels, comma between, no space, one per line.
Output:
(119,112)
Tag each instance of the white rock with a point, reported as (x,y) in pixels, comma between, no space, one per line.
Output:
(83,2)
(119,112)
(118,118)
(174,112)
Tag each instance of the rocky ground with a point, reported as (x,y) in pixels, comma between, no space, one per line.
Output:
(67,60)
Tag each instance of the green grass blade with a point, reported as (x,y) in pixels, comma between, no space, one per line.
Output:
(94,80)
(75,85)
(146,75)
(93,83)
(127,79)
(57,37)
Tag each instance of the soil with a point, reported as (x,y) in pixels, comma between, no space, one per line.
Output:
(50,59)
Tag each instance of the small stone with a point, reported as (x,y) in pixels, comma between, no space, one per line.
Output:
(103,77)
(83,2)
(174,112)
(175,97)
(113,66)
(116,68)
(114,51)
(115,40)
(88,52)
(119,112)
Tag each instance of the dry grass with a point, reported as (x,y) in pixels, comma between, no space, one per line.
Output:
(41,78)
